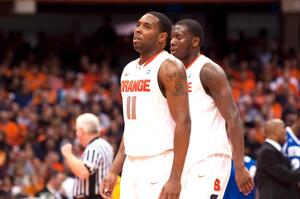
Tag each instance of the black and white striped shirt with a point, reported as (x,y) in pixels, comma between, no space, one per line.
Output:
(97,157)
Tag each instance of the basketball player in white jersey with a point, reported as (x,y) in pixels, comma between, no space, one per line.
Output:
(157,119)
(208,161)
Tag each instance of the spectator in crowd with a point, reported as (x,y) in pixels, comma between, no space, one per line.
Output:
(53,188)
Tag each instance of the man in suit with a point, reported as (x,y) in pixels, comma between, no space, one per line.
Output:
(275,178)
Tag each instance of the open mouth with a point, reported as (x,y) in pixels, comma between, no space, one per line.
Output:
(173,50)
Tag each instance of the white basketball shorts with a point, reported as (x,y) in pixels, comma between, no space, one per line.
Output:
(144,177)
(206,179)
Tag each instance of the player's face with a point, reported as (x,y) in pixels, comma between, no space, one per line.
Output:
(181,42)
(146,33)
(291,118)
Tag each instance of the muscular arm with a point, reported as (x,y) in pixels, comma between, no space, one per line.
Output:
(119,160)
(216,84)
(173,81)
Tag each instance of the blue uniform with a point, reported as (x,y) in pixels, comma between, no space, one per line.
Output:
(232,190)
(291,148)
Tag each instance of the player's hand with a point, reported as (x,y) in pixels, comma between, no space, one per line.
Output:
(107,185)
(243,180)
(66,149)
(171,190)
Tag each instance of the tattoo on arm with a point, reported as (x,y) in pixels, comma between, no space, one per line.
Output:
(178,79)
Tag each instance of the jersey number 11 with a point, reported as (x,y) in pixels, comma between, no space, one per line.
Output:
(131,107)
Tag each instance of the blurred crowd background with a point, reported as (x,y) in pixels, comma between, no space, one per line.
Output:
(49,76)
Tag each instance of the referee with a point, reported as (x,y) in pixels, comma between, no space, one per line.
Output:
(95,161)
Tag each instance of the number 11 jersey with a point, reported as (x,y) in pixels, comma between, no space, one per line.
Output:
(149,126)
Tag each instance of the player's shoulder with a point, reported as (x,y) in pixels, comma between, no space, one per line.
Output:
(172,61)
(212,74)
(208,66)
(203,59)
(130,67)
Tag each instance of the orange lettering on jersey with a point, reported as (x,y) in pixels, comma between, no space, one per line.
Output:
(124,85)
(190,86)
(140,87)
(146,85)
(130,85)
(135,85)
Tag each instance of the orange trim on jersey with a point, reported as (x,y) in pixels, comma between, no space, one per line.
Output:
(192,61)
(151,59)
(190,87)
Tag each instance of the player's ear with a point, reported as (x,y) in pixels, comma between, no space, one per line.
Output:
(196,42)
(163,37)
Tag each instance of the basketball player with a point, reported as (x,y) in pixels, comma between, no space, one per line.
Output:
(291,148)
(212,107)
(157,119)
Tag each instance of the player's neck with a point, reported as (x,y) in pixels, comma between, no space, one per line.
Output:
(191,59)
(144,58)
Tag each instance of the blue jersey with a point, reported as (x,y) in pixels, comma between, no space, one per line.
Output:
(291,148)
(232,190)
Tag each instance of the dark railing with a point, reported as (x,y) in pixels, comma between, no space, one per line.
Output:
(157,1)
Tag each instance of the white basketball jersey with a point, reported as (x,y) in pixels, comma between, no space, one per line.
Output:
(149,126)
(208,132)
